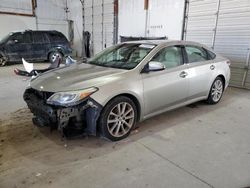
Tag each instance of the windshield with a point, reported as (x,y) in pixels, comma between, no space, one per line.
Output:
(123,56)
(5,39)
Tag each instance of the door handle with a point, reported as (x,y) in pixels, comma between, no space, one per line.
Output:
(212,67)
(183,74)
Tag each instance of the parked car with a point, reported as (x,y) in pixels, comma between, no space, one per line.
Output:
(33,46)
(125,84)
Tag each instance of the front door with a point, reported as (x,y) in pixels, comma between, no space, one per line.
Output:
(19,46)
(169,87)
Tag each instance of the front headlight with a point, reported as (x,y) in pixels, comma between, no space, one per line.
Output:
(70,98)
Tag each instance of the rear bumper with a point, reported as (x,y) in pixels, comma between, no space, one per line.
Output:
(83,116)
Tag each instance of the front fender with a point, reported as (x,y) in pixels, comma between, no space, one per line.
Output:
(2,54)
(128,84)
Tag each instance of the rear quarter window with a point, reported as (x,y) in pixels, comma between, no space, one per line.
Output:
(211,55)
(196,54)
(57,37)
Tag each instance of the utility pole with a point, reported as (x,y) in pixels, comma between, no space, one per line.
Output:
(83,32)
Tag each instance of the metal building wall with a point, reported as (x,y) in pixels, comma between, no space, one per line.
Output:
(132,18)
(225,26)
(17,7)
(162,18)
(99,21)
(51,15)
(75,15)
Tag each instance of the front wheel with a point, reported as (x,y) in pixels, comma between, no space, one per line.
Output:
(216,91)
(118,118)
(54,55)
(2,61)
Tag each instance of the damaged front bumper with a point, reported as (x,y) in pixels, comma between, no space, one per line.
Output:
(83,116)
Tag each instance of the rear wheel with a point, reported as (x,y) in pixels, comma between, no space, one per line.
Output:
(2,61)
(118,118)
(216,91)
(53,55)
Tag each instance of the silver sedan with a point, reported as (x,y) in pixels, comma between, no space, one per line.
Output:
(127,83)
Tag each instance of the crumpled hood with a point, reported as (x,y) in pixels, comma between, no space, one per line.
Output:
(75,77)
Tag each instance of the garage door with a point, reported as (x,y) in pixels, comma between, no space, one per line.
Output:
(99,21)
(225,26)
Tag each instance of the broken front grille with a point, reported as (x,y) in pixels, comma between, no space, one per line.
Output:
(40,94)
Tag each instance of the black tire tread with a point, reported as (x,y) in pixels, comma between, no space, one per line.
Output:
(104,114)
(210,98)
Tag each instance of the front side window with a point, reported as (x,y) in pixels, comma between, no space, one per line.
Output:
(5,38)
(170,57)
(22,37)
(56,37)
(196,54)
(123,56)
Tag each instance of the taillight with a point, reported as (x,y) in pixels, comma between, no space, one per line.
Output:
(228,62)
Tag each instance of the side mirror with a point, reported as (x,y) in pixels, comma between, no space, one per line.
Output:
(13,41)
(153,66)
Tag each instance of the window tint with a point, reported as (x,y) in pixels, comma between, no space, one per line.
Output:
(211,55)
(170,57)
(196,54)
(39,37)
(22,37)
(57,37)
(124,56)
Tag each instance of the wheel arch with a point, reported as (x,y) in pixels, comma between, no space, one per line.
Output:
(220,75)
(133,98)
(59,49)
(223,79)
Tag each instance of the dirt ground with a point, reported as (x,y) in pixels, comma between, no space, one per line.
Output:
(194,146)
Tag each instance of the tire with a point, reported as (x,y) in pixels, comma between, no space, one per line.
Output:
(116,126)
(2,61)
(52,56)
(216,91)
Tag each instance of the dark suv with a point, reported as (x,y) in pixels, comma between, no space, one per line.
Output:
(34,46)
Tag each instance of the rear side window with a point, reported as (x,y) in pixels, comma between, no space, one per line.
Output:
(39,37)
(196,54)
(211,55)
(57,37)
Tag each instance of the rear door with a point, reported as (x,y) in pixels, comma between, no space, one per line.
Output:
(169,87)
(19,46)
(200,70)
(39,45)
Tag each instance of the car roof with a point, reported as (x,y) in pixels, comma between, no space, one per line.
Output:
(166,42)
(46,31)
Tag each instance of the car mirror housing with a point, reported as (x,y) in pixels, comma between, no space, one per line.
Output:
(12,41)
(153,66)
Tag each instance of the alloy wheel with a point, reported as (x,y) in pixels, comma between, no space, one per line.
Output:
(217,90)
(54,56)
(120,119)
